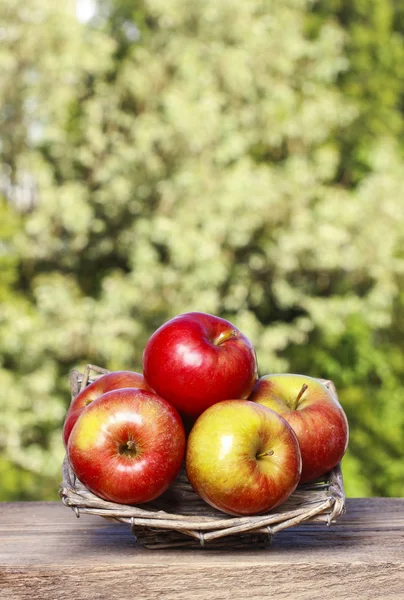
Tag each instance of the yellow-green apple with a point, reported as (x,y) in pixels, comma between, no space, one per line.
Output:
(111,381)
(196,360)
(242,458)
(315,415)
(127,446)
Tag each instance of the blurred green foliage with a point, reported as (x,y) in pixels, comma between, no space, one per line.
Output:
(241,160)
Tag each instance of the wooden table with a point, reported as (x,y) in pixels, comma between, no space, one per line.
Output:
(46,553)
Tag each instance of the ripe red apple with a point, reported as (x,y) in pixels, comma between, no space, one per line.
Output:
(111,381)
(128,446)
(196,360)
(242,458)
(315,415)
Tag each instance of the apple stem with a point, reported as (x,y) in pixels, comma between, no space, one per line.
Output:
(128,448)
(263,454)
(300,394)
(225,335)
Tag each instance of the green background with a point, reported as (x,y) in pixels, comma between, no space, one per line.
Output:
(243,158)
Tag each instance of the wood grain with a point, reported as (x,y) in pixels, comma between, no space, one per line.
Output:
(47,553)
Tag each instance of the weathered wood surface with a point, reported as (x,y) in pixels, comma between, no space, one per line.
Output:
(47,553)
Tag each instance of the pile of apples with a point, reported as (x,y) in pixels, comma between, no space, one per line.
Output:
(250,440)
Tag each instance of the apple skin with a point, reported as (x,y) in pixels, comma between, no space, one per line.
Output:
(316,417)
(127,446)
(198,359)
(222,461)
(111,381)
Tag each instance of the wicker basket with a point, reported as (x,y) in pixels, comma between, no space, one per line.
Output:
(180,518)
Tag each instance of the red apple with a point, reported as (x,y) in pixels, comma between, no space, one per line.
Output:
(196,360)
(242,458)
(111,381)
(128,446)
(315,415)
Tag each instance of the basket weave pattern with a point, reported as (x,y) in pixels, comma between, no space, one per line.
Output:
(181,518)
